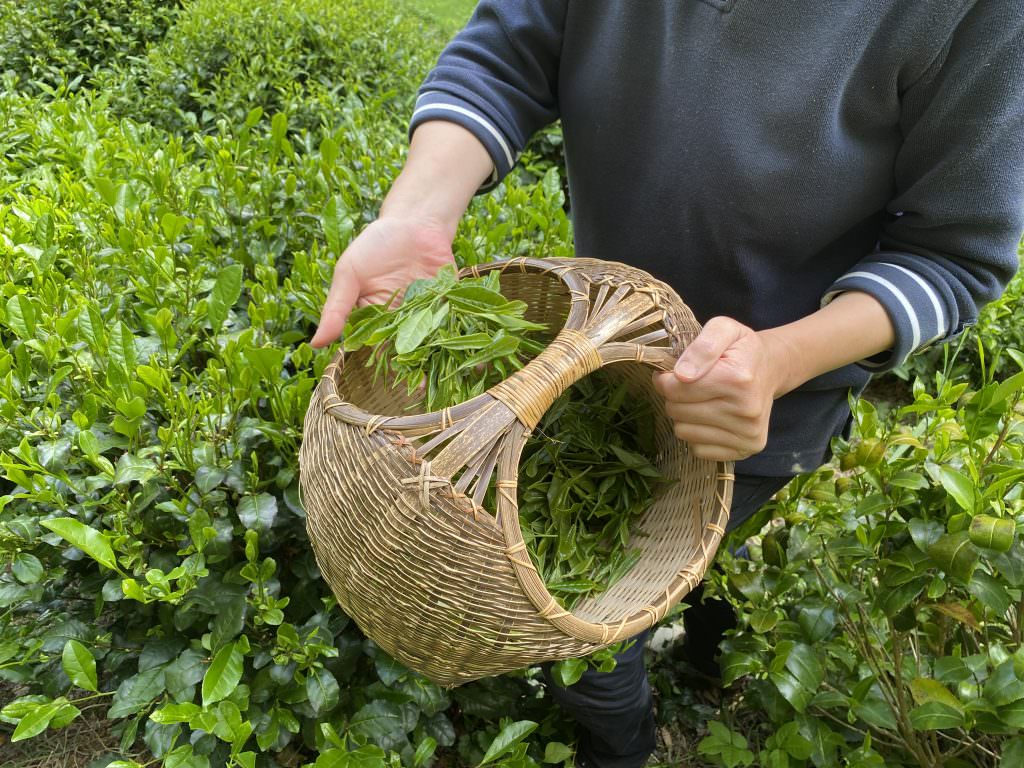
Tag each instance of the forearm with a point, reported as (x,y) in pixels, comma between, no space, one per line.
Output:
(852,327)
(445,168)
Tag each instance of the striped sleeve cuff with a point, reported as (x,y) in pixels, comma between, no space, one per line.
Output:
(916,308)
(437,105)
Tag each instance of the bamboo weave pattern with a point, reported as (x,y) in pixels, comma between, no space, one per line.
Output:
(394,497)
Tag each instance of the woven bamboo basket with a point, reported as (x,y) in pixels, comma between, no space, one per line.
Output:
(394,497)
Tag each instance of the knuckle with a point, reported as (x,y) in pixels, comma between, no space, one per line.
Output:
(743,377)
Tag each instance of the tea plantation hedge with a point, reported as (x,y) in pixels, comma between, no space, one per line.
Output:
(177,182)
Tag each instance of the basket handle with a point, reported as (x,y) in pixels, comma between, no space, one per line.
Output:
(662,358)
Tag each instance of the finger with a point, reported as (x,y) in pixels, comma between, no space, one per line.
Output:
(703,438)
(341,298)
(706,390)
(699,357)
(716,413)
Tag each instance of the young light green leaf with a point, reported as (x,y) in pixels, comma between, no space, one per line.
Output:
(21,316)
(35,721)
(336,223)
(223,674)
(222,298)
(556,752)
(413,330)
(959,486)
(424,752)
(80,666)
(510,735)
(87,539)
(121,348)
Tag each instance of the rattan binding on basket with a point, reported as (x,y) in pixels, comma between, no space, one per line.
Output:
(393,498)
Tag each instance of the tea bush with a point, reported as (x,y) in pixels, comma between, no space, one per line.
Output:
(49,44)
(882,611)
(154,373)
(223,58)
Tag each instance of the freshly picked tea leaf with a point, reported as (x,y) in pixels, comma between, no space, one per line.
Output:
(455,338)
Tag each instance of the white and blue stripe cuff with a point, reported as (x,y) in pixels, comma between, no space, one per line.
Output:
(436,105)
(914,306)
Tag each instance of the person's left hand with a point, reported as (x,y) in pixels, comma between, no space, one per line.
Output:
(721,390)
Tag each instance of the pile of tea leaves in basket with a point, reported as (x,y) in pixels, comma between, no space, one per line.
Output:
(584,478)
(455,338)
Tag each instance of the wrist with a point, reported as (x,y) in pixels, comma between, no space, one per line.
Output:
(411,205)
(785,371)
(445,168)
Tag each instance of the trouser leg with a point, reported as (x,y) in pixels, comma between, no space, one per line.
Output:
(614,710)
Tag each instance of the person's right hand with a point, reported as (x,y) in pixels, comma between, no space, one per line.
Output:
(384,259)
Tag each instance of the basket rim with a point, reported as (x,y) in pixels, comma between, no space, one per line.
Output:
(359,417)
(600,634)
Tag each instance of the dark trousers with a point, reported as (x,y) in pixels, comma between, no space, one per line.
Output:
(614,709)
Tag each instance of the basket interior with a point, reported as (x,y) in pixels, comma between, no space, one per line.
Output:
(670,532)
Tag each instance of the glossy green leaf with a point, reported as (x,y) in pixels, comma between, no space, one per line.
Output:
(507,738)
(223,674)
(21,316)
(935,716)
(26,568)
(992,532)
(258,512)
(959,486)
(87,539)
(224,295)
(337,225)
(79,665)
(35,721)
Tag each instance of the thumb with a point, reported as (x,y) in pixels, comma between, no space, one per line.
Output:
(341,298)
(718,334)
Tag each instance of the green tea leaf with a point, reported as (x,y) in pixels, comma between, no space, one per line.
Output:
(223,674)
(992,532)
(21,318)
(337,225)
(507,738)
(959,486)
(79,665)
(26,568)
(87,539)
(413,330)
(955,554)
(222,298)
(258,512)
(936,716)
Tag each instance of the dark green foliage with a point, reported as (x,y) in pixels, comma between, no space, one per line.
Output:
(154,373)
(881,611)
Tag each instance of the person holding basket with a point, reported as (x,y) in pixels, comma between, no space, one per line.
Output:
(830,187)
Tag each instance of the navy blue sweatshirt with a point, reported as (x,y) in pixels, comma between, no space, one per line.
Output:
(762,156)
